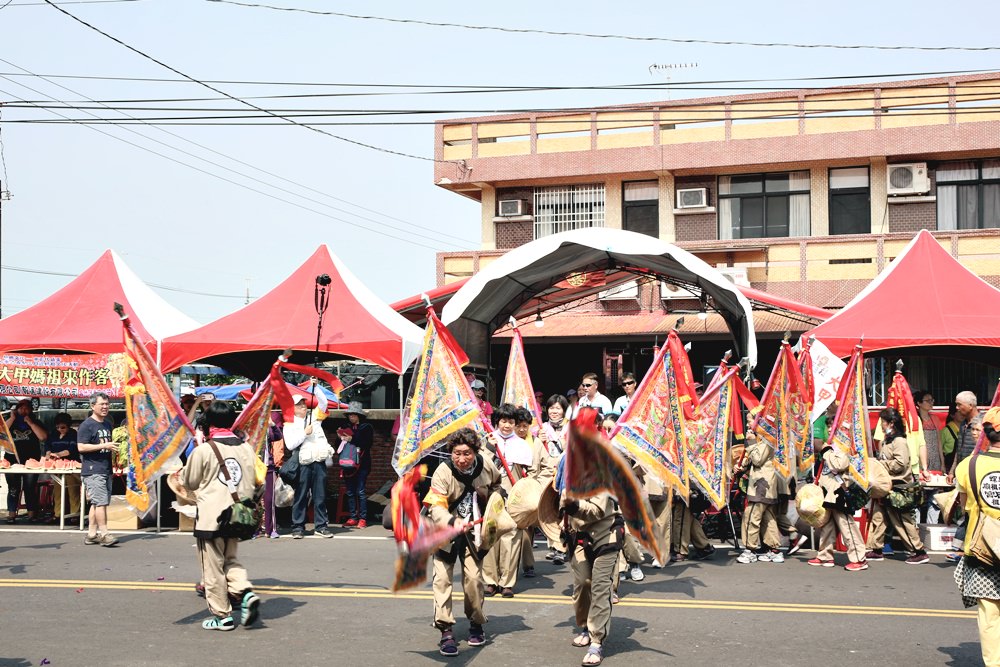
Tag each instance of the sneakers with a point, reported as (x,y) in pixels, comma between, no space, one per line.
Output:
(747,557)
(507,592)
(324,532)
(703,554)
(954,556)
(362,524)
(351,523)
(559,557)
(551,554)
(92,539)
(818,562)
(108,540)
(678,557)
(491,590)
(918,558)
(875,554)
(656,565)
(448,646)
(529,573)
(797,545)
(216,623)
(298,534)
(635,573)
(477,637)
(887,549)
(249,608)
(856,567)
(771,557)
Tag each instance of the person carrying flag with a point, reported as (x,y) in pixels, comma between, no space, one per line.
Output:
(459,490)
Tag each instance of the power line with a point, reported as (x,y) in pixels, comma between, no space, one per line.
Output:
(634,38)
(169,288)
(236,99)
(70,2)
(228,180)
(246,164)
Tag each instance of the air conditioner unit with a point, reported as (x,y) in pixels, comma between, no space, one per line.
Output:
(737,274)
(908,179)
(669,291)
(511,207)
(692,198)
(625,292)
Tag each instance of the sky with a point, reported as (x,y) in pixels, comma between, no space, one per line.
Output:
(209,213)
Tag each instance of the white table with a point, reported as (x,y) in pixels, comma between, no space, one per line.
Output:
(59,477)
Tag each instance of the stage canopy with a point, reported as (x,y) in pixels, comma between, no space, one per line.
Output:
(533,277)
(80,317)
(357,325)
(925,297)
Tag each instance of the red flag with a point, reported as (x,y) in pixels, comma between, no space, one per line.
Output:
(807,453)
(784,411)
(850,431)
(708,441)
(900,398)
(253,423)
(593,466)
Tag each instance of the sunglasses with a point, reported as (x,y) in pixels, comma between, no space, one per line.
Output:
(628,383)
(588,386)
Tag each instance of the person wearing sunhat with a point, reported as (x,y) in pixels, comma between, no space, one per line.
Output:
(309,439)
(361,435)
(980,583)
(834,481)
(460,488)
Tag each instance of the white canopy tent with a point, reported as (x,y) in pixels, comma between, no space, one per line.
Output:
(525,281)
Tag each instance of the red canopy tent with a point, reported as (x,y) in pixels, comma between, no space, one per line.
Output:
(924,297)
(357,325)
(80,316)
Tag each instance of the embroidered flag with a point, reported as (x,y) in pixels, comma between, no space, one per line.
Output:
(653,427)
(252,424)
(850,432)
(803,439)
(517,387)
(416,536)
(709,432)
(593,466)
(784,410)
(440,400)
(158,431)
(900,397)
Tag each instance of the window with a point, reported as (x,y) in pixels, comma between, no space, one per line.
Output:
(565,207)
(753,206)
(968,195)
(641,207)
(850,201)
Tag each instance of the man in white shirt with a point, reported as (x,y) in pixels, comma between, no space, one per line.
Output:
(308,439)
(591,397)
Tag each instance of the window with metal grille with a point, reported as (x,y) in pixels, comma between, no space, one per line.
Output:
(564,207)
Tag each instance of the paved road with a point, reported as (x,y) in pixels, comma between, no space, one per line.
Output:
(327,601)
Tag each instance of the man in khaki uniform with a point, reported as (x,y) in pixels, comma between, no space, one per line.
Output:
(225,579)
(834,484)
(598,531)
(760,525)
(459,490)
(687,531)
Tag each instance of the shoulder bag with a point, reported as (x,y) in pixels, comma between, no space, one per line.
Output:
(241,520)
(289,470)
(984,543)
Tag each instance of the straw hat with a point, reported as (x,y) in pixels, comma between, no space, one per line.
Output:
(184,496)
(947,501)
(548,514)
(496,522)
(522,502)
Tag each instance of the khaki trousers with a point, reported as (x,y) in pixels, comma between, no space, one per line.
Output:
(883,515)
(989,631)
(500,563)
(785,525)
(528,548)
(662,518)
(686,530)
(631,554)
(472,587)
(593,583)
(760,523)
(222,574)
(849,529)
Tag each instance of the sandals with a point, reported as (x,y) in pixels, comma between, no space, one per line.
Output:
(582,640)
(216,623)
(593,656)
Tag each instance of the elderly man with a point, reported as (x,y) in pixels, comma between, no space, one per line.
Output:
(307,437)
(970,426)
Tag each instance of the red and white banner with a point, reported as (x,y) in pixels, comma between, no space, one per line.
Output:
(62,376)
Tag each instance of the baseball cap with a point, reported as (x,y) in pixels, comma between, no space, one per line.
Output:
(478,384)
(298,398)
(992,417)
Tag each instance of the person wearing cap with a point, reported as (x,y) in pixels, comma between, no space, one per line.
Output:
(979,583)
(458,493)
(307,436)
(485,409)
(834,482)
(591,397)
(895,456)
(361,436)
(224,577)
(28,436)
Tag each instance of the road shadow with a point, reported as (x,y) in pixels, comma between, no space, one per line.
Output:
(54,545)
(966,654)
(15,662)
(498,626)
(624,637)
(270,608)
(282,583)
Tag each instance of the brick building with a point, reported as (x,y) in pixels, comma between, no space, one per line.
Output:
(805,194)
